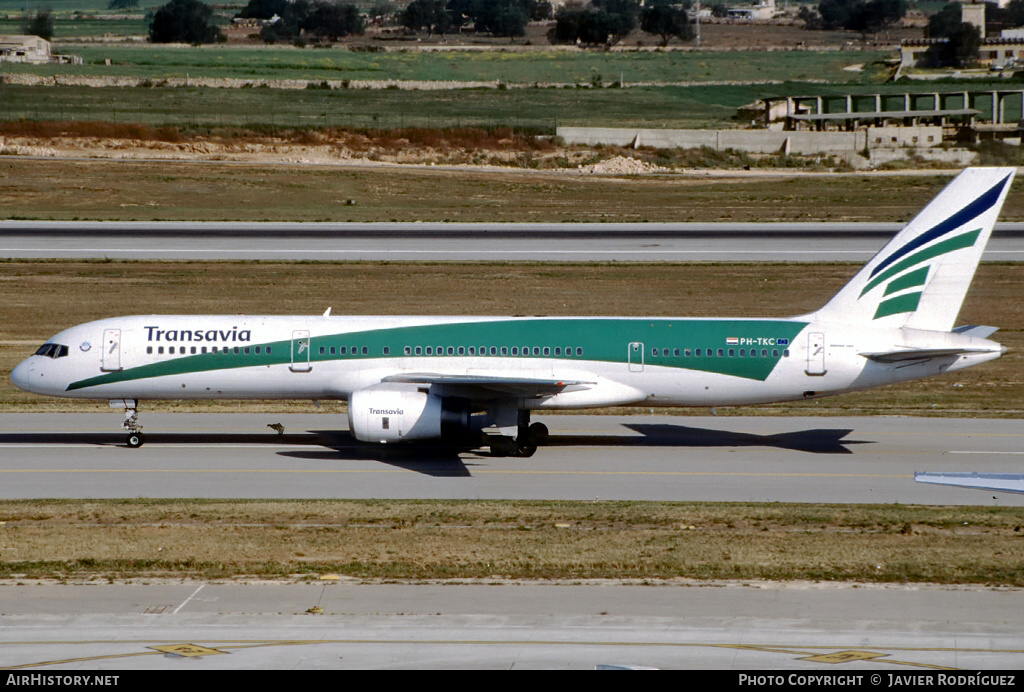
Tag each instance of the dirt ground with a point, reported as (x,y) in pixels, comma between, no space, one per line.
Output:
(716,34)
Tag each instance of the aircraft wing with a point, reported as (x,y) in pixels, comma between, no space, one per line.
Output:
(489,386)
(1004,482)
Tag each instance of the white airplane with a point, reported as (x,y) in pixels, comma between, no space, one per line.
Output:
(423,378)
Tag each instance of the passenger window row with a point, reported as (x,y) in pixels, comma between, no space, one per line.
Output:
(557,351)
(345,350)
(712,353)
(194,350)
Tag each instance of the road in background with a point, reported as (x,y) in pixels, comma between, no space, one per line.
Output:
(575,242)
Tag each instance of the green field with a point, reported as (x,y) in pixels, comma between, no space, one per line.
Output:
(554,66)
(536,109)
(541,109)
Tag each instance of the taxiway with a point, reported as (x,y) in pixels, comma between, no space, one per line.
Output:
(444,242)
(649,457)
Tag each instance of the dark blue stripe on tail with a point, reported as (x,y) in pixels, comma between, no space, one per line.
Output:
(975,208)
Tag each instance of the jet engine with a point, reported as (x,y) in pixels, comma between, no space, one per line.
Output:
(394,413)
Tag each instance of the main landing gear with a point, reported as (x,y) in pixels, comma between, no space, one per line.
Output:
(135,437)
(524,444)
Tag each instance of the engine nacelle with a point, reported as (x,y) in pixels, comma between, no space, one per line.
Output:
(403,413)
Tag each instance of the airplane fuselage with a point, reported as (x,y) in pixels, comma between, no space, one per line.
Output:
(617,360)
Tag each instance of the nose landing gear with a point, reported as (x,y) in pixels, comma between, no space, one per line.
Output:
(135,437)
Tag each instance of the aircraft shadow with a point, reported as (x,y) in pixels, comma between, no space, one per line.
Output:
(320,445)
(447,460)
(816,441)
(439,460)
(117,439)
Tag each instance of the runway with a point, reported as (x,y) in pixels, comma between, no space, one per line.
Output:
(445,242)
(650,457)
(191,626)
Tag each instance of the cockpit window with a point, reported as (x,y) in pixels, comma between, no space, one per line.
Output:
(52,350)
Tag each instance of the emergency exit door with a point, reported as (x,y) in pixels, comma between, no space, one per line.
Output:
(636,356)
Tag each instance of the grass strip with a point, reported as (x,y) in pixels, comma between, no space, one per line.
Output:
(445,539)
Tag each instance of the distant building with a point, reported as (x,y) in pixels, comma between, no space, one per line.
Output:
(973,13)
(32,50)
(999,51)
(1002,51)
(763,10)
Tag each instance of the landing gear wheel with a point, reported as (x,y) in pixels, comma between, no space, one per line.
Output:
(538,434)
(525,449)
(135,440)
(503,446)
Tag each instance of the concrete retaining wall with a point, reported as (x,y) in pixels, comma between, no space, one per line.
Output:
(751,141)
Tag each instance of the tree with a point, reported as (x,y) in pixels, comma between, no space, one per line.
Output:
(503,17)
(865,16)
(835,14)
(810,18)
(623,15)
(602,21)
(290,16)
(122,4)
(431,15)
(383,11)
(877,15)
(960,49)
(264,9)
(333,20)
(943,23)
(41,25)
(184,21)
(1015,12)
(667,21)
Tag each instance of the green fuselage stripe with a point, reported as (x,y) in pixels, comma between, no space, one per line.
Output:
(601,339)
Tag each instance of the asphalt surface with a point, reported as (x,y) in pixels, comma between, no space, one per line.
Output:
(196,626)
(437,242)
(651,457)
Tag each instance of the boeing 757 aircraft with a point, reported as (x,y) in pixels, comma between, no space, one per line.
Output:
(422,378)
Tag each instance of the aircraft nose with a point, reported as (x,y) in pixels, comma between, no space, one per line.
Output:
(21,375)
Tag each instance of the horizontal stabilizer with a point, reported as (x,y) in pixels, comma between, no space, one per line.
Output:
(898,355)
(1005,482)
(977,331)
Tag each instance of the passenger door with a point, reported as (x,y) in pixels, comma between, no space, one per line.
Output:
(815,353)
(111,359)
(301,347)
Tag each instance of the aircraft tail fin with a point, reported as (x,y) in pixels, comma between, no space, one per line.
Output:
(919,279)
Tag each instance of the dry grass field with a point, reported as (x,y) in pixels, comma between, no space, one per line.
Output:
(491,540)
(281,189)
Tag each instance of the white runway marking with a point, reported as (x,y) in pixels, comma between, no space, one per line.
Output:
(185,602)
